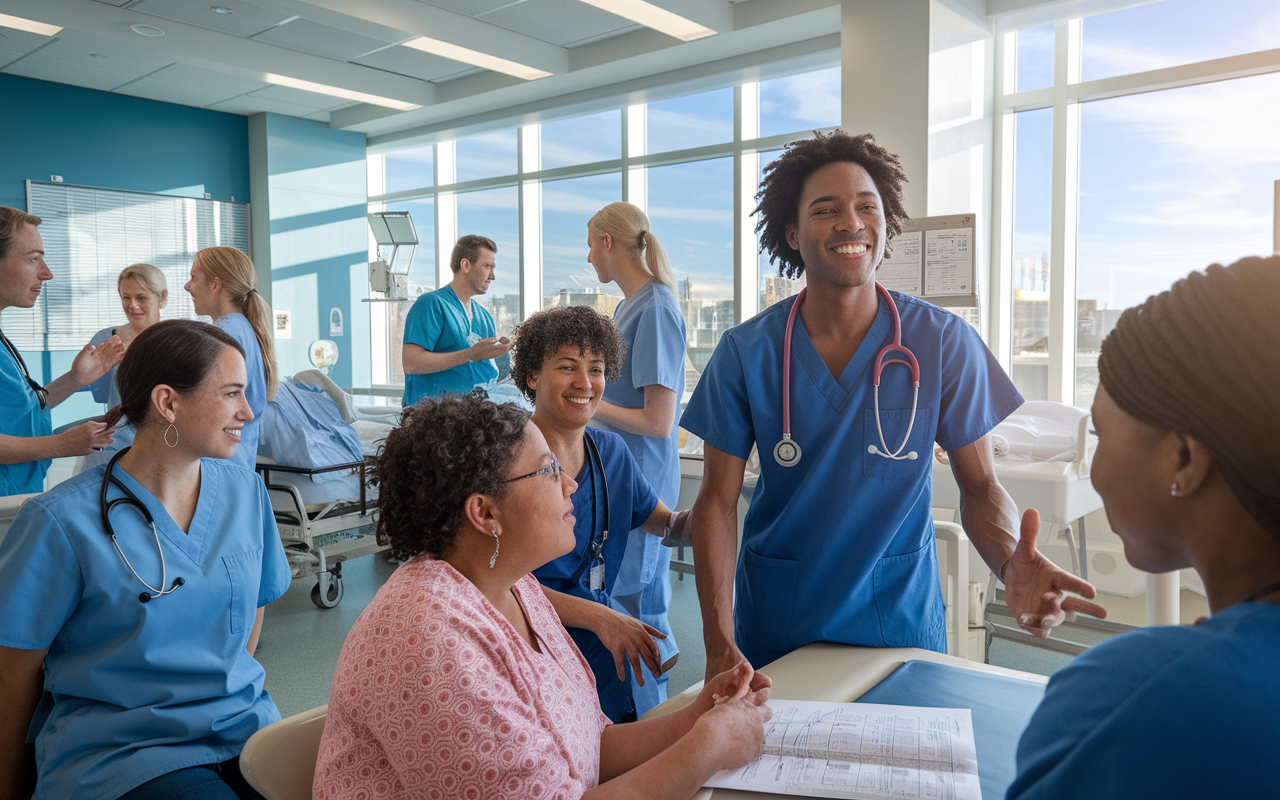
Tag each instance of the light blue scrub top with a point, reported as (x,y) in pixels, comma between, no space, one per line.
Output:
(135,690)
(255,393)
(21,415)
(104,389)
(631,502)
(1182,712)
(438,322)
(840,547)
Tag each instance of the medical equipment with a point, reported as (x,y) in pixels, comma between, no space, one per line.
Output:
(131,499)
(787,451)
(596,550)
(390,275)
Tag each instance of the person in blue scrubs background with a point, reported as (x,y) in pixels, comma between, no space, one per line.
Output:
(144,292)
(125,698)
(840,546)
(450,340)
(27,441)
(222,287)
(643,405)
(1188,470)
(561,362)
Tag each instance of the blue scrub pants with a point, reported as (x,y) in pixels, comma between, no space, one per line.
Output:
(209,782)
(651,608)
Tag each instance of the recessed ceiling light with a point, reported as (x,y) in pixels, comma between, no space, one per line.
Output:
(336,91)
(650,15)
(475,58)
(28,25)
(146,30)
(220,10)
(96,55)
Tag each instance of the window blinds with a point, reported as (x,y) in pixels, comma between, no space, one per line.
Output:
(90,235)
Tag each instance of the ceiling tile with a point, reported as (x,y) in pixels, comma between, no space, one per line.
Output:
(470,7)
(413,63)
(244,19)
(252,104)
(556,21)
(207,79)
(99,52)
(174,93)
(300,97)
(46,69)
(7,56)
(21,41)
(319,116)
(112,2)
(321,40)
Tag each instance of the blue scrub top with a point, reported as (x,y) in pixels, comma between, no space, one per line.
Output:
(1171,712)
(438,322)
(840,547)
(21,415)
(104,389)
(255,393)
(631,502)
(135,690)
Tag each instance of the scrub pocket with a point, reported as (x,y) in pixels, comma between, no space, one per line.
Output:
(245,572)
(909,600)
(768,601)
(894,421)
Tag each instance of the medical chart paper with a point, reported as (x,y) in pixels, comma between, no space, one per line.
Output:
(900,270)
(948,261)
(862,751)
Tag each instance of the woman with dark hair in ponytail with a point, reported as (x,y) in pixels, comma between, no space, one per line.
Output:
(222,286)
(1188,465)
(139,586)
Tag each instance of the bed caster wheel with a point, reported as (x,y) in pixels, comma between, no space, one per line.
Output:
(330,596)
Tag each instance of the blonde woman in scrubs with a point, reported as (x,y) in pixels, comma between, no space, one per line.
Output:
(143,293)
(643,405)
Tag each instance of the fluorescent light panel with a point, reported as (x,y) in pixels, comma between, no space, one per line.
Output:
(28,25)
(334,91)
(475,58)
(651,16)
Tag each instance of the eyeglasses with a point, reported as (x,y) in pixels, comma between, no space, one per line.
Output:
(554,469)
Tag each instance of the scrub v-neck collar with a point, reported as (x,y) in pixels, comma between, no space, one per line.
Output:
(855,372)
(194,543)
(467,313)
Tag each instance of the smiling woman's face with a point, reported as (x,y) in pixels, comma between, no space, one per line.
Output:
(568,387)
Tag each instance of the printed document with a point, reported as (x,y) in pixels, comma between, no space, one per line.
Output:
(862,751)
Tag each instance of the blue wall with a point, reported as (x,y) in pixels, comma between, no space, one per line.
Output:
(114,141)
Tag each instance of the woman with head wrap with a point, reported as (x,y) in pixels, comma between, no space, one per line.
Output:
(1189,469)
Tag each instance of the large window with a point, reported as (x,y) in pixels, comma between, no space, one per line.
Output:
(1033,164)
(695,120)
(494,213)
(567,278)
(582,140)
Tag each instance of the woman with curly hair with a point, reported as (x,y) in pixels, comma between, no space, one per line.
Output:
(855,464)
(458,680)
(1188,469)
(563,359)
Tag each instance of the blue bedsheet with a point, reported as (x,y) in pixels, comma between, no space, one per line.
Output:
(302,427)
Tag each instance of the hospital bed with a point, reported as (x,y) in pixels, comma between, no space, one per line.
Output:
(324,522)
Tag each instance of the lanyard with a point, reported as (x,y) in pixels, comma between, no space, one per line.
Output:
(595,550)
(42,394)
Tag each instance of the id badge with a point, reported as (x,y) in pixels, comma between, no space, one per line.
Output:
(473,338)
(597,577)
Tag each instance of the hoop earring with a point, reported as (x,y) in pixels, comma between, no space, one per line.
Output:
(173,428)
(497,545)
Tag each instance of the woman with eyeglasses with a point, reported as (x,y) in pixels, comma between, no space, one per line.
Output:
(458,680)
(132,595)
(27,441)
(562,359)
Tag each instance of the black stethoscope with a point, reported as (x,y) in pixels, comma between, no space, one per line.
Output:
(131,499)
(595,570)
(42,394)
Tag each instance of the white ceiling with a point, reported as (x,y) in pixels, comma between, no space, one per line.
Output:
(221,60)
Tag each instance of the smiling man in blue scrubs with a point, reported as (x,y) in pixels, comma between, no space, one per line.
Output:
(839,546)
(450,340)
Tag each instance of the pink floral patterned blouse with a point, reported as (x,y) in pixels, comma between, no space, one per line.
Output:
(437,696)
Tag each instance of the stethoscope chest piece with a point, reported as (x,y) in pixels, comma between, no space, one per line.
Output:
(787,452)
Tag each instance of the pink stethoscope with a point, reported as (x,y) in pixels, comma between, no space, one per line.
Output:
(787,451)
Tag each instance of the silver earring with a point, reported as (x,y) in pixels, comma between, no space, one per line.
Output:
(497,544)
(173,428)
(1173,490)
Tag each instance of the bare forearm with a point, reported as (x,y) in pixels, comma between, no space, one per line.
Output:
(62,388)
(20,683)
(21,449)
(715,555)
(627,747)
(574,612)
(633,420)
(656,524)
(990,520)
(254,634)
(421,361)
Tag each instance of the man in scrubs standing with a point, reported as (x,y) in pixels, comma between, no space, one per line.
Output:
(449,340)
(27,441)
(839,546)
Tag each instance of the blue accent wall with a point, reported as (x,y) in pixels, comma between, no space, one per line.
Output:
(114,141)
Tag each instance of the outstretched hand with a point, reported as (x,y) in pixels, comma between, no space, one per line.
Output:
(92,362)
(1035,588)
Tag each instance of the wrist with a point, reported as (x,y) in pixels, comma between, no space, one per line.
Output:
(1004,568)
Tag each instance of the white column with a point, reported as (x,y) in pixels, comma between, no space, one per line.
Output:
(530,221)
(1065,225)
(746,282)
(1000,297)
(635,183)
(1162,598)
(446,170)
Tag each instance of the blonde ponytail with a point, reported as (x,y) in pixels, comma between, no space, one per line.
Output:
(236,273)
(629,228)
